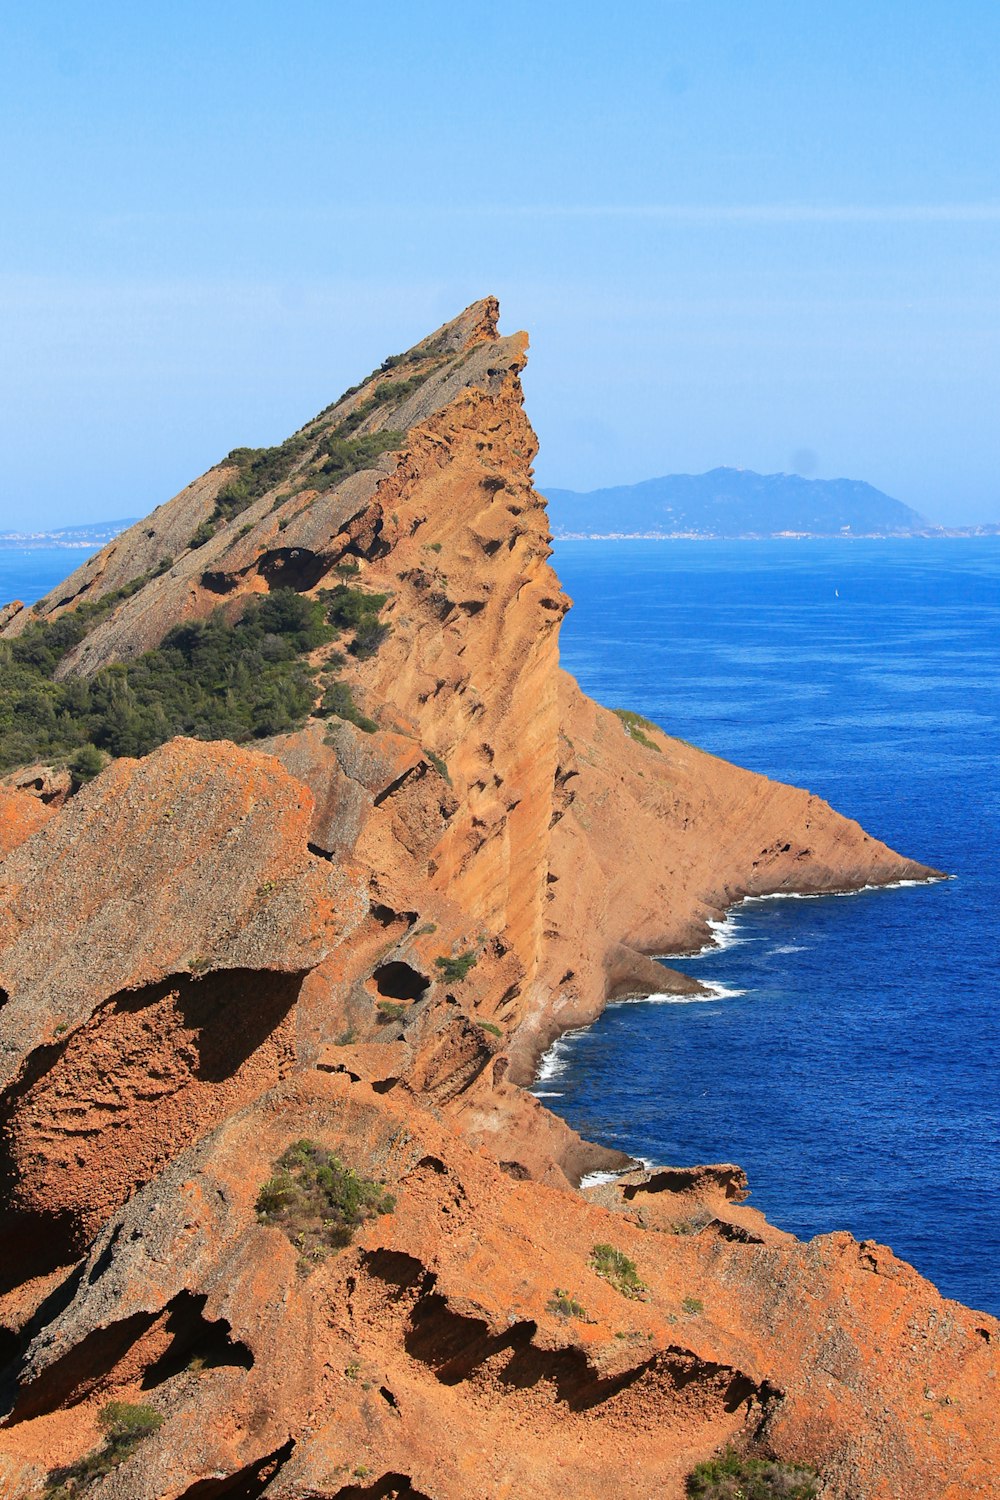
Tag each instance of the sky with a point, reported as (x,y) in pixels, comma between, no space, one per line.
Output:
(763,234)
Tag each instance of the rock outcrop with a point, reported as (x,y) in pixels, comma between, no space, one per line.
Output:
(363,933)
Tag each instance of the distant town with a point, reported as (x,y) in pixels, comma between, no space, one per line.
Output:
(86,537)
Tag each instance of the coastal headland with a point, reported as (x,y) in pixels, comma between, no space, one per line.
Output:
(326,959)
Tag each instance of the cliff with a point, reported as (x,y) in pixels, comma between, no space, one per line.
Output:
(359,930)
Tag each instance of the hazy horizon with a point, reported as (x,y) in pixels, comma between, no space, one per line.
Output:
(29,529)
(735,239)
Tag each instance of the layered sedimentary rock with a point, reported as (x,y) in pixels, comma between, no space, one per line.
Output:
(362,933)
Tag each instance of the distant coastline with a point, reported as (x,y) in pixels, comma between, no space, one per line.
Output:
(931,533)
(741,505)
(66,538)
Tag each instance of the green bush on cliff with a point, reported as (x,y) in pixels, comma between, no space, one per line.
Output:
(353,609)
(124,1426)
(733,1476)
(258,470)
(209,679)
(564,1305)
(317,1201)
(635,726)
(342,455)
(454,970)
(86,763)
(338,703)
(615,1267)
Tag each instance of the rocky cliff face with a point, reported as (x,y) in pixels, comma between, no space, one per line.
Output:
(362,933)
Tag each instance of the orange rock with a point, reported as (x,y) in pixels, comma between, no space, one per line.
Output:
(21,815)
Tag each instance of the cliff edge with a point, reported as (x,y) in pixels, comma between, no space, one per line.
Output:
(310,849)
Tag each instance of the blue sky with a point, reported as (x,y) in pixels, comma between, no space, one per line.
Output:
(762,233)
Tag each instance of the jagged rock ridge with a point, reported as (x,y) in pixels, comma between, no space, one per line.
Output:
(365,936)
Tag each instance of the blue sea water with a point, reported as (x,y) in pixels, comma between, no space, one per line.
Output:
(853,1070)
(28,573)
(854,1073)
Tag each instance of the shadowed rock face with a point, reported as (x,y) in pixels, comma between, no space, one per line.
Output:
(365,939)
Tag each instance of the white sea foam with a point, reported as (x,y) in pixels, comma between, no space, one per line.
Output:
(638,1163)
(712,990)
(554,1059)
(550,1065)
(597,1179)
(719,992)
(726,933)
(791,948)
(889,885)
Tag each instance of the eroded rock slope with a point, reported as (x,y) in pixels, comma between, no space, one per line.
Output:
(361,933)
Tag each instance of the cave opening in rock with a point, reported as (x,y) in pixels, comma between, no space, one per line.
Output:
(398,981)
(196,1342)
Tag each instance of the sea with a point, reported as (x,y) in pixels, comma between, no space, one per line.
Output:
(850,1060)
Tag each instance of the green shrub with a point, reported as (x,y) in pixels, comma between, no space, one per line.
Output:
(369,637)
(635,726)
(338,454)
(347,608)
(735,1477)
(317,1201)
(201,534)
(616,1269)
(563,1305)
(208,679)
(338,703)
(693,1305)
(439,765)
(343,454)
(397,390)
(86,763)
(454,970)
(489,1026)
(353,609)
(124,1426)
(258,470)
(391,1010)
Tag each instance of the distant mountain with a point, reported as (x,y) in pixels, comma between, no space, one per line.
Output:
(733,503)
(94,535)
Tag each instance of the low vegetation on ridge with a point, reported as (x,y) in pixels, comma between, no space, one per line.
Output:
(316,458)
(317,1201)
(615,1267)
(455,969)
(125,1426)
(732,1476)
(211,679)
(636,726)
